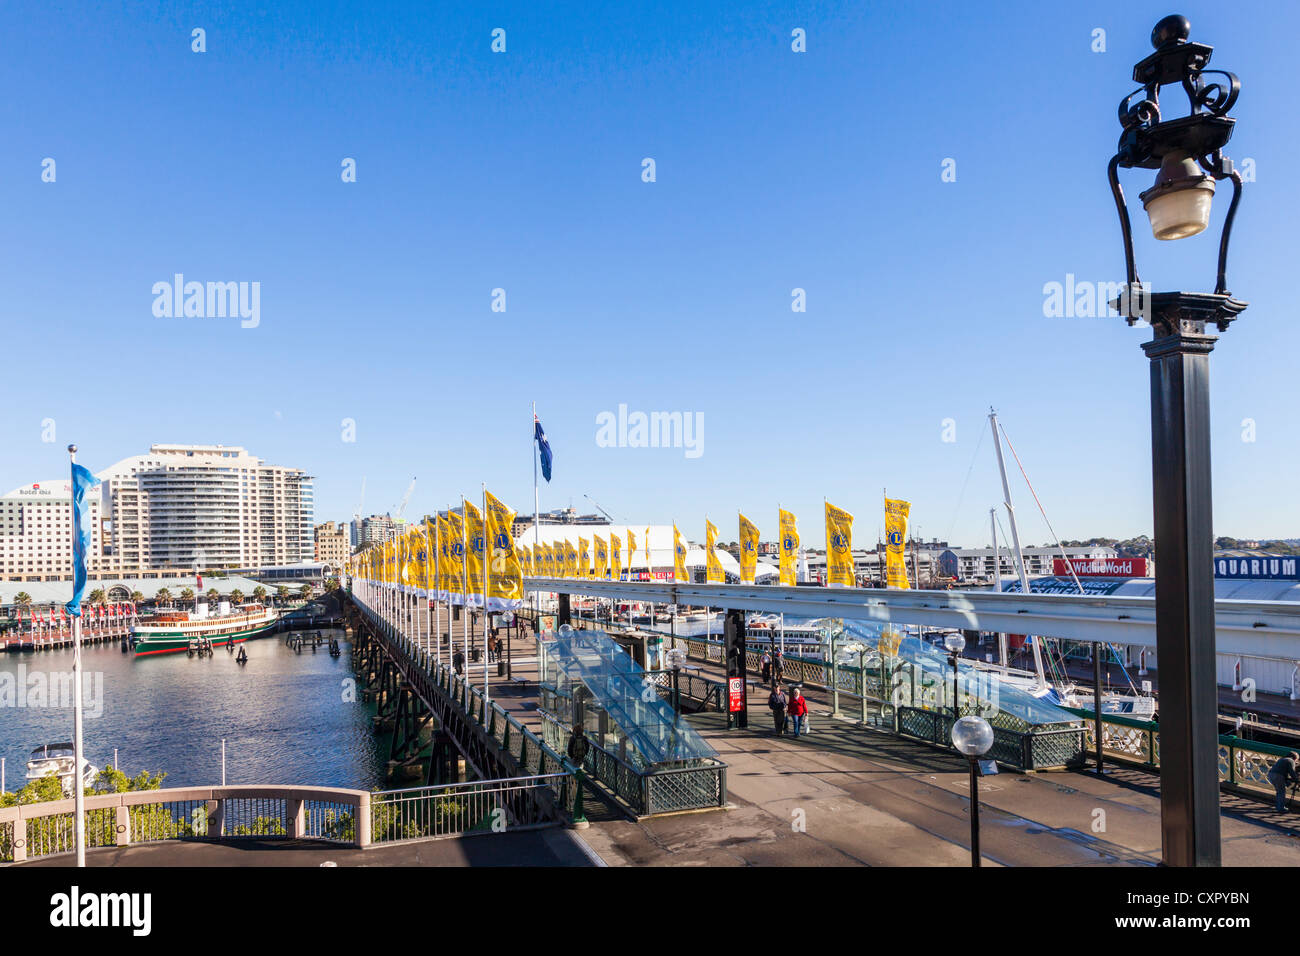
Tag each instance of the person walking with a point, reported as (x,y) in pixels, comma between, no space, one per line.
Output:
(765,665)
(1281,775)
(778,667)
(777,701)
(798,709)
(458,662)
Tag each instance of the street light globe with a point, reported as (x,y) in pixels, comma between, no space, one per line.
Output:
(972,736)
(1178,205)
(954,643)
(566,630)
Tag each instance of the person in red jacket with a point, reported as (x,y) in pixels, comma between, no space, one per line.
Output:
(798,710)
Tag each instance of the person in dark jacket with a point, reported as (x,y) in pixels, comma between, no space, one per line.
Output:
(1281,775)
(777,701)
(458,662)
(778,667)
(798,710)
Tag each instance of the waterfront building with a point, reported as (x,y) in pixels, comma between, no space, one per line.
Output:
(376,528)
(560,516)
(331,544)
(36,532)
(180,507)
(187,506)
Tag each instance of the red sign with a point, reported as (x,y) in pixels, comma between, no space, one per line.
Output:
(1101,567)
(735,694)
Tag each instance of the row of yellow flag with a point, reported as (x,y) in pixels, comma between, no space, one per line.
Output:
(465,559)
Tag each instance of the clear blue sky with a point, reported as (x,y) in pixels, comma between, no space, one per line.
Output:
(522,171)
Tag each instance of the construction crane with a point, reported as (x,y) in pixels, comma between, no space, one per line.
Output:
(401,507)
(361,506)
(599,508)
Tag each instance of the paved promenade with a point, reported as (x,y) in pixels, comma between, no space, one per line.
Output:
(847,795)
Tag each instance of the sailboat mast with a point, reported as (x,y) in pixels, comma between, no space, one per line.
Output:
(997,579)
(1015,541)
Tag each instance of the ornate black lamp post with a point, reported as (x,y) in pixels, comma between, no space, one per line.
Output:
(1188,152)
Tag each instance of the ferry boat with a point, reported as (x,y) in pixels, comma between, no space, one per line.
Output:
(57,759)
(173,631)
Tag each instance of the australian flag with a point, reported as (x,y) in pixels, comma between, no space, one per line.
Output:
(543,447)
(83,482)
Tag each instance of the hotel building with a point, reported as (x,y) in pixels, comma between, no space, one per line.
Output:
(179,506)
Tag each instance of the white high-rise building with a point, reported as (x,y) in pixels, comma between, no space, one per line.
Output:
(196,506)
(36,532)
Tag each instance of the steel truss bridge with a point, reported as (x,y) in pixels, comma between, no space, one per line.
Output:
(1267,629)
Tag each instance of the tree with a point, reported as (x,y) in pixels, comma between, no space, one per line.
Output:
(331,585)
(282,593)
(259,594)
(163,596)
(97,596)
(23,599)
(136,597)
(187,594)
(305,592)
(213,595)
(236,597)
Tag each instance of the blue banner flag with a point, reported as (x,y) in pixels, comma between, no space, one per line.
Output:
(543,447)
(82,483)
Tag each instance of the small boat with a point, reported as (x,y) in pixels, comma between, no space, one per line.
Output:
(57,759)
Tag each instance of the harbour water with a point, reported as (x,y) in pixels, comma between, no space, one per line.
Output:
(287,718)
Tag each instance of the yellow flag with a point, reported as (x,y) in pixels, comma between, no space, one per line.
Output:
(615,558)
(584,557)
(789,552)
(552,565)
(505,576)
(896,512)
(839,547)
(601,567)
(570,559)
(456,556)
(748,550)
(712,566)
(631,552)
(435,555)
(475,552)
(647,550)
(679,556)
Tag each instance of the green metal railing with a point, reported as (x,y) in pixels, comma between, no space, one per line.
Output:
(1243,764)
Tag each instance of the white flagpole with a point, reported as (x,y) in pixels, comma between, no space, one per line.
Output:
(537,453)
(464,589)
(437,584)
(79,796)
(487,571)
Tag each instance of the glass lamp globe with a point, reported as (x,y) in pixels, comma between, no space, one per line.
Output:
(955,643)
(1178,205)
(566,630)
(972,736)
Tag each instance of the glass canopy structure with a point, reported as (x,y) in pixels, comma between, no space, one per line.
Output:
(616,701)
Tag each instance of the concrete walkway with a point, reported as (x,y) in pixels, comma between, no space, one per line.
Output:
(848,795)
